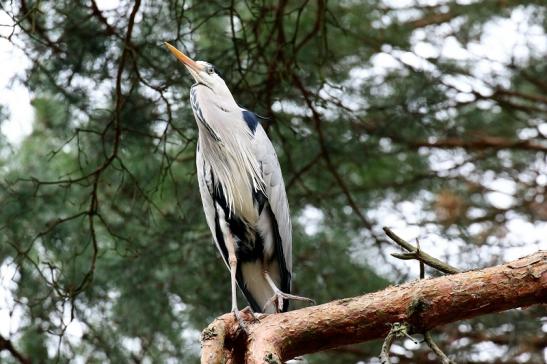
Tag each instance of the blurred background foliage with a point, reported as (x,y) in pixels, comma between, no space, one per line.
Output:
(382,113)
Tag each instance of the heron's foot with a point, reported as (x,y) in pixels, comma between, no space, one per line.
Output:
(240,320)
(249,312)
(277,300)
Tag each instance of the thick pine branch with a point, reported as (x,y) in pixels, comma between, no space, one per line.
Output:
(422,304)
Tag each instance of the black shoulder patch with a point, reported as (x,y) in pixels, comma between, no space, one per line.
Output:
(260,200)
(250,119)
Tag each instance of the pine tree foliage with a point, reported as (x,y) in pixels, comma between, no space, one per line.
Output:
(381,112)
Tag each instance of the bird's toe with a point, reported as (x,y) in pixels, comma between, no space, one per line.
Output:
(289,296)
(240,321)
(249,312)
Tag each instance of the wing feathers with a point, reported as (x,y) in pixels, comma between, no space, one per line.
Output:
(278,206)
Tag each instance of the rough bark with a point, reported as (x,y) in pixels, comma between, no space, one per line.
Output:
(422,304)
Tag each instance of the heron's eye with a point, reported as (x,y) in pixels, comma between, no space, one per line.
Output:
(210,70)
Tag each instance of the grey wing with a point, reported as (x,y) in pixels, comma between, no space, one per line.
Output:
(275,192)
(205,182)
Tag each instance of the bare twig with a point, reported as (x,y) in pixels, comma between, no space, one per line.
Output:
(397,330)
(486,142)
(418,254)
(429,340)
(422,265)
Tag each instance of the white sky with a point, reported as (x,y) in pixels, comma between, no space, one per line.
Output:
(502,39)
(12,93)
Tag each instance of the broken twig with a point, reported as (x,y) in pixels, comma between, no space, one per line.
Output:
(415,253)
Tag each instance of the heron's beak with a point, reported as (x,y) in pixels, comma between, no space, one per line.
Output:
(184,58)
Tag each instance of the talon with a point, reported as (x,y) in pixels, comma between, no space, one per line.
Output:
(289,296)
(269,302)
(242,324)
(249,311)
(279,296)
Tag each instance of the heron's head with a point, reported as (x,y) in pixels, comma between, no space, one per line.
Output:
(203,72)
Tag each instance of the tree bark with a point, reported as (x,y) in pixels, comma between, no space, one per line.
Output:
(422,304)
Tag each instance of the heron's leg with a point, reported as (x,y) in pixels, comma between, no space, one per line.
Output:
(232,261)
(280,295)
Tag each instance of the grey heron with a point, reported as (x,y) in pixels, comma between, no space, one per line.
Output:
(242,192)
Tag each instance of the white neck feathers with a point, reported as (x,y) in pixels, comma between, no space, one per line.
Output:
(233,163)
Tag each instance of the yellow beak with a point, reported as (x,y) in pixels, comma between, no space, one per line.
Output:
(184,58)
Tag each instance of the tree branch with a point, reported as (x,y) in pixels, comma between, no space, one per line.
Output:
(397,330)
(212,342)
(6,344)
(485,142)
(435,348)
(422,304)
(415,253)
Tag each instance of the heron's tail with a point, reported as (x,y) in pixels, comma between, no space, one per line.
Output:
(255,287)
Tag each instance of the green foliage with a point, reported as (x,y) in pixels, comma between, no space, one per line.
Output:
(101,216)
